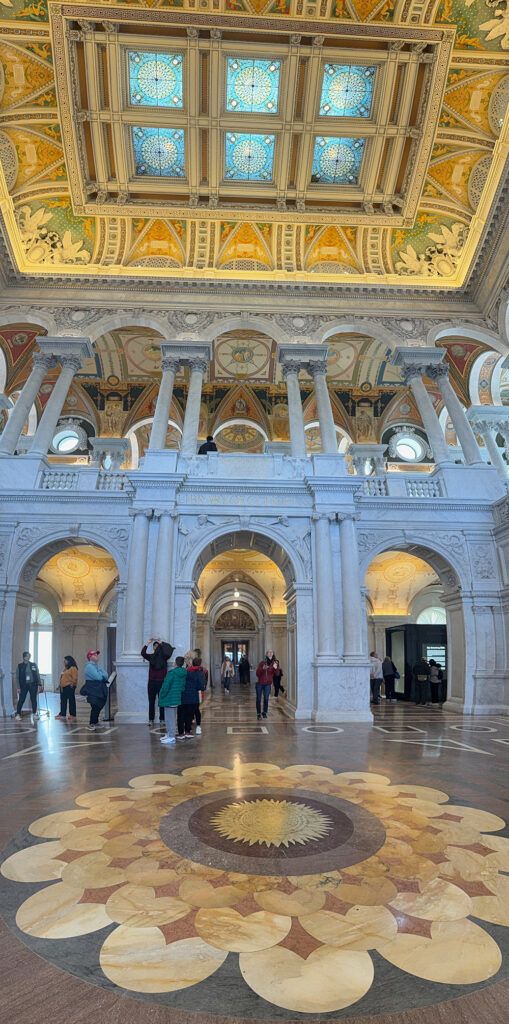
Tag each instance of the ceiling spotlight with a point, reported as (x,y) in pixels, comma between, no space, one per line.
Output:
(236,593)
(235,604)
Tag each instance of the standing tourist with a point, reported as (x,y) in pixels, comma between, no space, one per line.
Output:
(170,697)
(390,673)
(265,676)
(157,658)
(189,707)
(276,679)
(436,678)
(28,682)
(375,676)
(227,674)
(95,688)
(67,686)
(244,670)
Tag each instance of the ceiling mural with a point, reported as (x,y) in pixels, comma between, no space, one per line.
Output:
(244,566)
(292,159)
(80,577)
(393,579)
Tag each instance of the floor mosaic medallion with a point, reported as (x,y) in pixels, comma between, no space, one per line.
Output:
(291,891)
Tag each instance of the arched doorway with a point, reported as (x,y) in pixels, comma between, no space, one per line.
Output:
(270,584)
(58,606)
(402,582)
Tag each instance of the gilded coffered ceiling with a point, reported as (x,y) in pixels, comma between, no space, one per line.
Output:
(300,140)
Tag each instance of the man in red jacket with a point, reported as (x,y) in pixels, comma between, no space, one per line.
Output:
(265,676)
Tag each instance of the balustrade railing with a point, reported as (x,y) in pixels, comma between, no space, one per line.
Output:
(112,482)
(59,480)
(375,487)
(418,487)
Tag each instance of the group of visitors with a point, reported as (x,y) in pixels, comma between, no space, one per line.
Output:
(382,671)
(427,680)
(178,690)
(95,688)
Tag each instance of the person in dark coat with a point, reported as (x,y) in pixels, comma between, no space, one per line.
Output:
(421,673)
(244,670)
(28,682)
(158,659)
(276,679)
(208,446)
(189,708)
(389,672)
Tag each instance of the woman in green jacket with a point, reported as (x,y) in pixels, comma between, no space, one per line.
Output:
(169,697)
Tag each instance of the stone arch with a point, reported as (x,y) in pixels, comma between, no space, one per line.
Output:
(118,320)
(40,319)
(471,333)
(442,556)
(364,326)
(133,441)
(32,548)
(240,421)
(243,322)
(271,542)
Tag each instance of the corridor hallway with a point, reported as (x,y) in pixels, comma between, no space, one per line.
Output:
(275,870)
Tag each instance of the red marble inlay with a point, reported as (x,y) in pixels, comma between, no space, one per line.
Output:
(411,925)
(170,889)
(449,817)
(405,884)
(300,941)
(181,929)
(99,895)
(247,906)
(69,855)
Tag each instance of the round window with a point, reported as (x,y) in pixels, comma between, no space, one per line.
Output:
(410,449)
(66,440)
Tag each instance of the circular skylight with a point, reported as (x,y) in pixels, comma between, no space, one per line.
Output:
(410,449)
(66,440)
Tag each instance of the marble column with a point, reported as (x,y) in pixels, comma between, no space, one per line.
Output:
(353,608)
(464,432)
(163,588)
(41,363)
(47,425)
(134,609)
(295,415)
(412,377)
(489,433)
(325,618)
(169,366)
(198,367)
(318,371)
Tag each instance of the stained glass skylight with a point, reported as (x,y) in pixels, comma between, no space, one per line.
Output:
(347,90)
(249,157)
(159,151)
(155,79)
(337,161)
(252,85)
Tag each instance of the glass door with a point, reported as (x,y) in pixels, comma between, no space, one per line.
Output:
(234,650)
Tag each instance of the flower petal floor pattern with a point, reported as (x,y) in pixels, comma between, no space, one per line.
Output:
(300,882)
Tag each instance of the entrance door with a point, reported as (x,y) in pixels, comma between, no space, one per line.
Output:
(234,650)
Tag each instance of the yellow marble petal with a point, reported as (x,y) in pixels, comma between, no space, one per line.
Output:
(35,864)
(200,893)
(52,826)
(317,770)
(484,821)
(92,871)
(157,782)
(501,847)
(473,867)
(56,913)
(363,777)
(148,872)
(368,893)
(138,907)
(100,796)
(227,929)
(139,960)
(86,838)
(458,953)
(361,928)
(438,900)
(328,980)
(428,808)
(494,909)
(422,793)
(302,901)
(123,846)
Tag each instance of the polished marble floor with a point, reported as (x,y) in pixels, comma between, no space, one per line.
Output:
(273,871)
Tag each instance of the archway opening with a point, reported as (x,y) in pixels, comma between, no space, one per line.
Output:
(66,604)
(414,612)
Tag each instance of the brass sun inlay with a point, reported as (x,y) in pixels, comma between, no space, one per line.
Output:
(271,823)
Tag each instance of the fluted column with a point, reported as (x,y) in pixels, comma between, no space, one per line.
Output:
(47,425)
(326,627)
(412,377)
(41,363)
(318,371)
(353,609)
(464,431)
(198,368)
(295,414)
(161,597)
(134,613)
(169,366)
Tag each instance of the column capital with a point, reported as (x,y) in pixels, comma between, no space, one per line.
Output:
(158,512)
(438,373)
(419,359)
(171,363)
(317,516)
(290,367)
(45,360)
(80,348)
(70,361)
(147,512)
(197,363)
(301,354)
(414,372)
(317,368)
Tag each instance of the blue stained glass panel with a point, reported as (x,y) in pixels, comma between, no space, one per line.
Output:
(159,151)
(347,90)
(252,85)
(337,161)
(155,79)
(249,157)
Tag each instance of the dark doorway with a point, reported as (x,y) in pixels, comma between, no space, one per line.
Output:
(406,644)
(234,649)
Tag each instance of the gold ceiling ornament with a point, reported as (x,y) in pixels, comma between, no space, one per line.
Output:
(271,823)
(419,901)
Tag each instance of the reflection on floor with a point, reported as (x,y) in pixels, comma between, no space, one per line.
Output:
(307,872)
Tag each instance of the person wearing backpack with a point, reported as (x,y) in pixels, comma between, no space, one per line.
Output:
(189,707)
(95,688)
(170,697)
